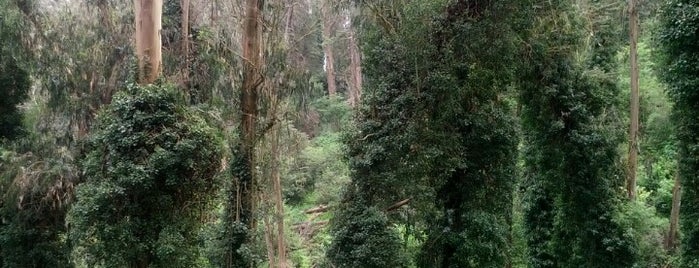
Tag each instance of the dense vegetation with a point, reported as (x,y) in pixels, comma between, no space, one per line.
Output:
(678,38)
(401,133)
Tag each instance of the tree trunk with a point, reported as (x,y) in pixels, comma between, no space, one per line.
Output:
(278,198)
(268,241)
(148,15)
(671,243)
(328,47)
(289,19)
(633,131)
(355,69)
(185,42)
(242,195)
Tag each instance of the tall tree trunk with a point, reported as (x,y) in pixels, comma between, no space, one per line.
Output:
(278,198)
(355,69)
(268,241)
(326,10)
(633,131)
(185,42)
(242,197)
(671,243)
(148,45)
(289,19)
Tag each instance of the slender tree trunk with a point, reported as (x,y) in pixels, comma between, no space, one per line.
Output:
(278,198)
(289,19)
(633,131)
(268,241)
(674,215)
(185,41)
(252,77)
(355,69)
(148,45)
(242,198)
(251,81)
(328,47)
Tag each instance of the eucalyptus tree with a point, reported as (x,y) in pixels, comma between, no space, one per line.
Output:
(149,173)
(329,25)
(678,37)
(149,170)
(148,22)
(570,143)
(470,104)
(635,99)
(436,125)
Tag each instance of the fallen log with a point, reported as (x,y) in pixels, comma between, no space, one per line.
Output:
(397,205)
(318,209)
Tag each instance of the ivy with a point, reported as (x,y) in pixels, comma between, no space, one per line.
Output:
(679,51)
(149,170)
(571,145)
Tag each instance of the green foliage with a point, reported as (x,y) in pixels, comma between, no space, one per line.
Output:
(149,172)
(319,170)
(364,239)
(647,229)
(477,130)
(437,126)
(36,184)
(679,52)
(14,87)
(14,79)
(571,145)
(333,111)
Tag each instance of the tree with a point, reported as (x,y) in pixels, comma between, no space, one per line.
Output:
(436,125)
(148,22)
(473,115)
(241,203)
(355,67)
(679,21)
(328,25)
(384,151)
(570,143)
(149,173)
(633,129)
(14,79)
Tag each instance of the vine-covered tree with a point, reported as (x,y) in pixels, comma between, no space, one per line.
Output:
(149,173)
(467,95)
(680,70)
(570,144)
(436,124)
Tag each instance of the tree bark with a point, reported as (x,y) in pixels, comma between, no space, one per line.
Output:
(674,215)
(355,69)
(278,198)
(328,47)
(185,41)
(633,130)
(289,19)
(244,192)
(268,241)
(148,15)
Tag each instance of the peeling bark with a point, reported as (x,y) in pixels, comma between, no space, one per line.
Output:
(148,44)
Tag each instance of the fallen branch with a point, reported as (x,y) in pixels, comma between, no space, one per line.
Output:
(397,205)
(318,209)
